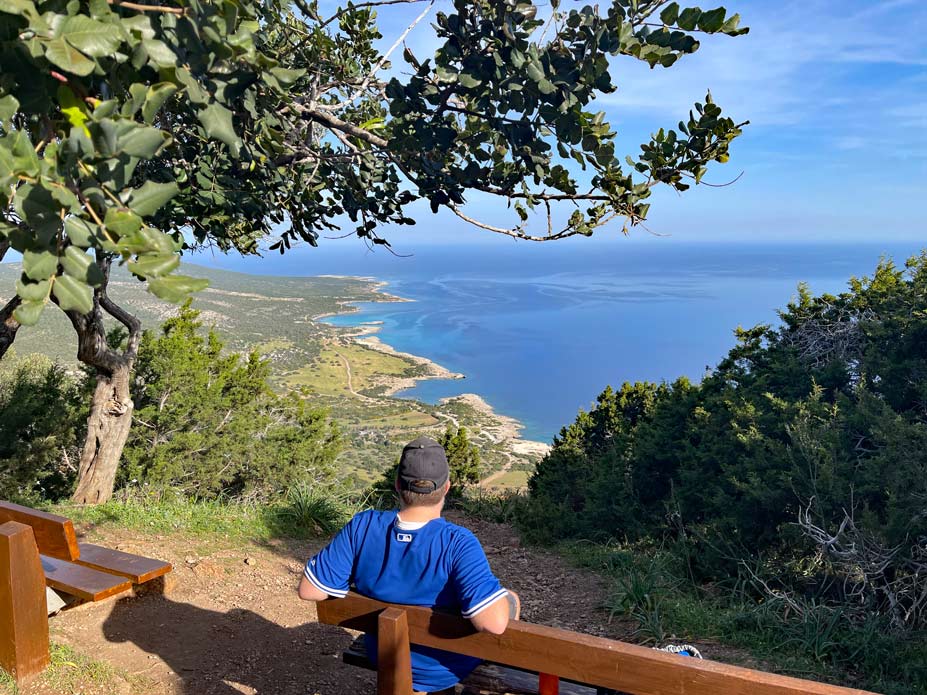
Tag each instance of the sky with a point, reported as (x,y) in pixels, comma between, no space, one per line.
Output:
(836,93)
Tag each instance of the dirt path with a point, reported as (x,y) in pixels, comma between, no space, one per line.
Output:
(232,623)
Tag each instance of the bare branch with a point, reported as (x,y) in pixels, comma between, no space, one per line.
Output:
(373,3)
(334,123)
(148,8)
(380,63)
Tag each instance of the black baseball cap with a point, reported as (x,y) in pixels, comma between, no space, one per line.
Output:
(423,466)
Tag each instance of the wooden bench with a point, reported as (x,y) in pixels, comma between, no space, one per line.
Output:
(38,549)
(552,653)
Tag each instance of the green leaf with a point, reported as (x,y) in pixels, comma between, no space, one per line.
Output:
(37,208)
(61,53)
(89,36)
(160,53)
(217,121)
(73,294)
(712,20)
(81,266)
(154,100)
(8,106)
(546,87)
(287,77)
(143,142)
(28,313)
(33,291)
(670,13)
(17,155)
(151,197)
(152,266)
(39,265)
(176,288)
(21,7)
(80,232)
(122,222)
(148,240)
(688,18)
(535,72)
(469,81)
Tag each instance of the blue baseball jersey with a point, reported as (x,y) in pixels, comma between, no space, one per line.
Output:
(440,565)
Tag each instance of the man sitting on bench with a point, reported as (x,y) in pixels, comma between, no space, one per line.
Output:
(415,557)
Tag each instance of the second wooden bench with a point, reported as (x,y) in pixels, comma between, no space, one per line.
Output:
(38,549)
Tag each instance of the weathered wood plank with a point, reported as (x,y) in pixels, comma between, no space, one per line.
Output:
(486,678)
(394,664)
(24,650)
(594,660)
(54,535)
(83,582)
(136,568)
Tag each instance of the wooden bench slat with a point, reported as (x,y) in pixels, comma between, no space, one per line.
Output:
(487,677)
(136,568)
(54,535)
(83,582)
(588,659)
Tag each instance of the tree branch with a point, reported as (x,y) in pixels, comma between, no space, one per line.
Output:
(8,324)
(376,68)
(335,123)
(132,324)
(361,5)
(148,8)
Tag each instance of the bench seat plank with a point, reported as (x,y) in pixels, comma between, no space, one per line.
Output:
(136,568)
(83,582)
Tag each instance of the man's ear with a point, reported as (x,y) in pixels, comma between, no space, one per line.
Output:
(447,487)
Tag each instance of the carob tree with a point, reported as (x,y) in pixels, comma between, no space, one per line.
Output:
(131,131)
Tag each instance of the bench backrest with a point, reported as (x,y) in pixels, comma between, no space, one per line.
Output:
(574,656)
(54,535)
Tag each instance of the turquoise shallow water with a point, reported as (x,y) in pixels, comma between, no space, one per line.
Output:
(539,332)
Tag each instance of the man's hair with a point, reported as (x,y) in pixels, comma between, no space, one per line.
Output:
(421,499)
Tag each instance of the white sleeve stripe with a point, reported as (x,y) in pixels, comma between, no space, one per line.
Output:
(338,593)
(485,603)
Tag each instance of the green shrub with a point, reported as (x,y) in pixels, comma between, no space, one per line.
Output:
(793,476)
(41,418)
(208,424)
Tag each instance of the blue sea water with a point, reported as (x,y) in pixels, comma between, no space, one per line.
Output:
(539,332)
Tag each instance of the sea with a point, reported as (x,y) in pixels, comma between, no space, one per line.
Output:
(540,330)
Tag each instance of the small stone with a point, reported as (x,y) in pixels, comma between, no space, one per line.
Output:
(250,561)
(190,560)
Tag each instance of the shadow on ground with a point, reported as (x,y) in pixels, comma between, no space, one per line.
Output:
(239,651)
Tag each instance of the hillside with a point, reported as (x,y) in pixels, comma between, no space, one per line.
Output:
(346,370)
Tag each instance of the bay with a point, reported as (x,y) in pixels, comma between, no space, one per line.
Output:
(539,331)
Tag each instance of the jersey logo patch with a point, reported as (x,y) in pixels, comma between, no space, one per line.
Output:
(404,537)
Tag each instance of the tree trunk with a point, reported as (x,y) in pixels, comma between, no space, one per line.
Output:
(107,430)
(8,325)
(111,408)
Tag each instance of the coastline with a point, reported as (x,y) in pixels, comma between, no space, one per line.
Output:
(503,430)
(349,306)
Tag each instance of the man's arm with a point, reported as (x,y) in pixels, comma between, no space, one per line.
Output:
(309,592)
(495,617)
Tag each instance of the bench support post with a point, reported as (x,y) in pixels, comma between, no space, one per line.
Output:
(394,660)
(548,684)
(24,650)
